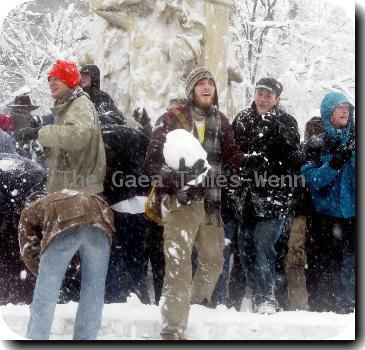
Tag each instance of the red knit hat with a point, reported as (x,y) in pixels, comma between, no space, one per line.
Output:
(67,72)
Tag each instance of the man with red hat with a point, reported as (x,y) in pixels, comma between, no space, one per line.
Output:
(76,164)
(77,157)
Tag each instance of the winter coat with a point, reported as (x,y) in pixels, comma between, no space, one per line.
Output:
(7,143)
(155,161)
(282,156)
(77,157)
(104,104)
(333,191)
(125,150)
(46,218)
(19,177)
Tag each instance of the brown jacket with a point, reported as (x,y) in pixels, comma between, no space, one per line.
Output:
(43,220)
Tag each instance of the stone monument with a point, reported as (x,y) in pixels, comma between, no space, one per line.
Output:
(156,44)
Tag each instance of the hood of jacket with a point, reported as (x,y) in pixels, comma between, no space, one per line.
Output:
(94,73)
(328,105)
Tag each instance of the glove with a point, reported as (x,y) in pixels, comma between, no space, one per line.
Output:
(177,179)
(340,157)
(253,161)
(192,173)
(270,121)
(35,122)
(182,197)
(144,118)
(27,134)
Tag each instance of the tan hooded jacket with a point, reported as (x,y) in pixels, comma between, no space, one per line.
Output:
(76,158)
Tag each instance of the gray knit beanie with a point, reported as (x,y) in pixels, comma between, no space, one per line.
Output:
(199,73)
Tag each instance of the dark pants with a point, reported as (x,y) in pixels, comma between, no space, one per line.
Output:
(128,261)
(230,288)
(157,257)
(331,264)
(281,281)
(237,280)
(16,282)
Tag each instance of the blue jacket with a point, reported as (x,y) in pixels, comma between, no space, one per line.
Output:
(333,191)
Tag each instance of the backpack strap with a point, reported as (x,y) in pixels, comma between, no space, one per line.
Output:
(182,119)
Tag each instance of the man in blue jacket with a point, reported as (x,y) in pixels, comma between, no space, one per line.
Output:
(331,178)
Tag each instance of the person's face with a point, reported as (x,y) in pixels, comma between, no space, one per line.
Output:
(58,88)
(340,116)
(265,101)
(204,93)
(20,111)
(85,80)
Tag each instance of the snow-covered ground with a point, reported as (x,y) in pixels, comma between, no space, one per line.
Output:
(135,321)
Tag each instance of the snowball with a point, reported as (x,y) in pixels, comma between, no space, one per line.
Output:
(182,144)
(23,274)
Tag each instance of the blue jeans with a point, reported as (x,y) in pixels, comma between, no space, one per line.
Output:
(93,246)
(128,262)
(256,240)
(220,293)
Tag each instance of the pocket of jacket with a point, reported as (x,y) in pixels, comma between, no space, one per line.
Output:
(70,208)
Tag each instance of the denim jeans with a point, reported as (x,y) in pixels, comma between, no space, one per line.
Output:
(220,293)
(93,246)
(256,240)
(128,262)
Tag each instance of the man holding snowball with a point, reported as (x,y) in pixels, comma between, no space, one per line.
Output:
(191,208)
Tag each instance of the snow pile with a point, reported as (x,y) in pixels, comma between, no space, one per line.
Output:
(135,321)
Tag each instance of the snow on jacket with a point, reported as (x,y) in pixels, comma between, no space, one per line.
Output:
(282,154)
(44,219)
(333,191)
(77,156)
(104,104)
(7,143)
(155,161)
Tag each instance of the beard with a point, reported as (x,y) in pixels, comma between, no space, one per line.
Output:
(203,103)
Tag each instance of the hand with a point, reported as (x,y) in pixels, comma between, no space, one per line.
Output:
(270,121)
(192,173)
(35,122)
(182,197)
(340,157)
(144,118)
(28,134)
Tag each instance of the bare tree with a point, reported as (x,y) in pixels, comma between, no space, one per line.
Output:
(30,43)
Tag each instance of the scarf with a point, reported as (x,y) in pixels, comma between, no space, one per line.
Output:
(72,95)
(212,194)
